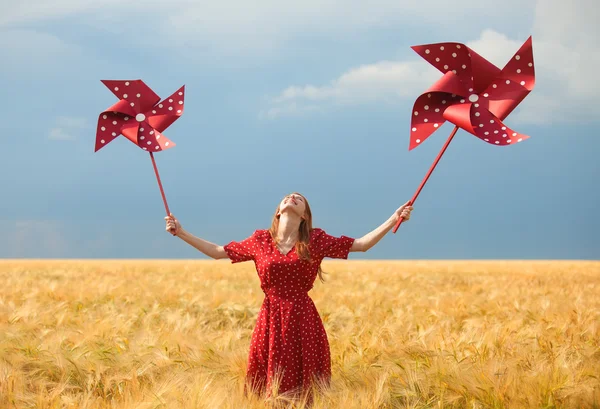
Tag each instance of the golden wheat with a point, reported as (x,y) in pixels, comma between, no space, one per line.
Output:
(403,334)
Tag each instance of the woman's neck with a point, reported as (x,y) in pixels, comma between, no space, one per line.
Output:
(287,231)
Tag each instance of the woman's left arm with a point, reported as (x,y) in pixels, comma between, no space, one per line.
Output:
(372,238)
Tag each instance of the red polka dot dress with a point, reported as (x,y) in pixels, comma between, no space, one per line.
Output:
(289,340)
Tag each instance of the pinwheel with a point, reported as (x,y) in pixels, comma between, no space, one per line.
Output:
(141,117)
(473,94)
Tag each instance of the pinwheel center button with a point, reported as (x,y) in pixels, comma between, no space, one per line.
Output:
(140,117)
(473,98)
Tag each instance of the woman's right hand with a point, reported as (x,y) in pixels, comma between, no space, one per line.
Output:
(173,225)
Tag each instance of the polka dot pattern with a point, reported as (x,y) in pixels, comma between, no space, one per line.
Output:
(289,340)
(473,93)
(139,115)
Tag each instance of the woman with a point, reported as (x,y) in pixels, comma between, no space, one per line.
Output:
(289,347)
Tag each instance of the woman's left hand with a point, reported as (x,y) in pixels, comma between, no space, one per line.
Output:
(403,211)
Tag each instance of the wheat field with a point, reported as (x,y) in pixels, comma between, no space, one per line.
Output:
(403,334)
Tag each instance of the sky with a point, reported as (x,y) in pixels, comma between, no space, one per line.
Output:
(310,96)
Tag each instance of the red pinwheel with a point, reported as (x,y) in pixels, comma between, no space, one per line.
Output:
(473,94)
(141,117)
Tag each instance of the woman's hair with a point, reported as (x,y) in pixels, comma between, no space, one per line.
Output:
(303,234)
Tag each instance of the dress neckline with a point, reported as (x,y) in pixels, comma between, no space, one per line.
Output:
(277,247)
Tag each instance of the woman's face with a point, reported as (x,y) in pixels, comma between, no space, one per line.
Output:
(293,203)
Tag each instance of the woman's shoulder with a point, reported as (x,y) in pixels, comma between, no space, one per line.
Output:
(261,233)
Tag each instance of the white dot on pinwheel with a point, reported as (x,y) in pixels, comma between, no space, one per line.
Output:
(477,114)
(444,102)
(132,104)
(507,82)
(145,148)
(426,107)
(414,129)
(473,98)
(520,139)
(530,64)
(522,82)
(486,95)
(518,70)
(160,105)
(445,67)
(138,95)
(504,128)
(476,105)
(437,110)
(126,118)
(495,85)
(141,129)
(142,137)
(166,143)
(435,125)
(481,125)
(517,57)
(104,117)
(151,132)
(487,140)
(140,117)
(428,95)
(486,133)
(180,93)
(102,141)
(497,142)
(464,67)
(114,122)
(149,142)
(437,60)
(125,96)
(425,120)
(116,88)
(462,101)
(170,100)
(180,102)
(496,131)
(127,84)
(157,137)
(418,141)
(156,147)
(504,135)
(491,121)
(179,111)
(457,45)
(514,134)
(454,55)
(508,141)
(442,48)
(114,134)
(416,113)
(170,108)
(454,71)
(154,111)
(103,129)
(427,51)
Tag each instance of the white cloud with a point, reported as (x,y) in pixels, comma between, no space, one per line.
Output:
(566,61)
(66,127)
(243,26)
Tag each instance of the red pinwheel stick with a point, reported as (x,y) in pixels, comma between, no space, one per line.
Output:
(162,192)
(414,198)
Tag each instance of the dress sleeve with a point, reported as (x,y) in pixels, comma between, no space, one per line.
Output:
(244,250)
(331,246)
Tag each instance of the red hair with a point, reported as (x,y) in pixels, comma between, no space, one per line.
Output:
(304,231)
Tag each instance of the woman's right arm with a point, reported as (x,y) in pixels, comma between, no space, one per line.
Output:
(210,249)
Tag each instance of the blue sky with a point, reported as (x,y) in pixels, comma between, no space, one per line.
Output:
(311,96)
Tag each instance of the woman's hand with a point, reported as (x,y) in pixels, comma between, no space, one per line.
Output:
(173,225)
(403,211)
